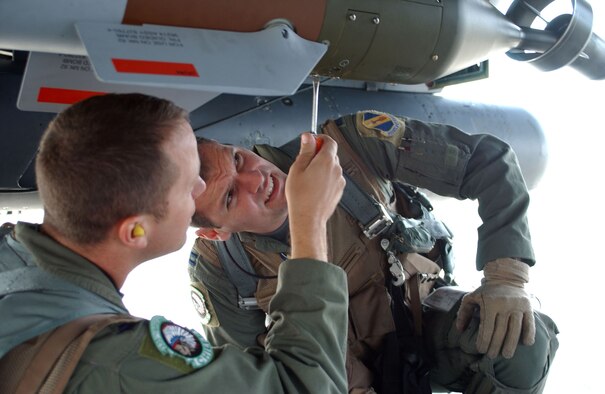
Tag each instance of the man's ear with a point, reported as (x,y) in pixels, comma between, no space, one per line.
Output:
(133,231)
(212,234)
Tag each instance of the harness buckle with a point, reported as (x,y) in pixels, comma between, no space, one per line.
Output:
(379,224)
(247,303)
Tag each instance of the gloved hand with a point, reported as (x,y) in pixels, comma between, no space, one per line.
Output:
(505,311)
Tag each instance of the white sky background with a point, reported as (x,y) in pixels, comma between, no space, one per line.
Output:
(566,217)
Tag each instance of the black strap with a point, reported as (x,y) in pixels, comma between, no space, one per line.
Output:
(402,366)
(237,265)
(371,215)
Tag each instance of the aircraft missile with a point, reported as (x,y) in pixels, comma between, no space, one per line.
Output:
(396,41)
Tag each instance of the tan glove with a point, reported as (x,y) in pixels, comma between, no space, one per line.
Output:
(505,311)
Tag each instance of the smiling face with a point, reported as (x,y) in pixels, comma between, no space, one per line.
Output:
(244,191)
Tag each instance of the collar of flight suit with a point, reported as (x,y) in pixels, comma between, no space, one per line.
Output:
(55,258)
(264,243)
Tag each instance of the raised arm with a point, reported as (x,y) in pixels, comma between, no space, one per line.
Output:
(313,189)
(450,162)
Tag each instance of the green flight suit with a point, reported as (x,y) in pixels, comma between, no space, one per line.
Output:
(375,148)
(305,348)
(12,253)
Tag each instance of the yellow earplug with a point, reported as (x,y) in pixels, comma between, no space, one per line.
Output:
(138,231)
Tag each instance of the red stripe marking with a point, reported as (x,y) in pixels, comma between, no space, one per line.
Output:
(64,96)
(154,67)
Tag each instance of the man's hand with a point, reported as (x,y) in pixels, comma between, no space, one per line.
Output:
(505,312)
(313,189)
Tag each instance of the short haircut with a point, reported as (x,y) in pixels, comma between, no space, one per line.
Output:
(198,219)
(102,160)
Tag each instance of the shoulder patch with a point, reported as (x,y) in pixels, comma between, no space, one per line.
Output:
(203,306)
(176,346)
(386,124)
(381,125)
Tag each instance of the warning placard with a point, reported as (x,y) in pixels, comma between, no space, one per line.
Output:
(273,61)
(53,81)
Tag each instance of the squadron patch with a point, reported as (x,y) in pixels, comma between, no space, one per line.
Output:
(201,302)
(385,124)
(180,343)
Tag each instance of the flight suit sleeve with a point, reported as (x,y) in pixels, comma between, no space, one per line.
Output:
(450,162)
(225,321)
(304,352)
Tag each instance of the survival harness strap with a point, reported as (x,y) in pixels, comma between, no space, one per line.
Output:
(45,363)
(401,234)
(237,266)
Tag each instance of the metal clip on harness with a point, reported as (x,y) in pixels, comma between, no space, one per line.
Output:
(395,266)
(247,303)
(380,224)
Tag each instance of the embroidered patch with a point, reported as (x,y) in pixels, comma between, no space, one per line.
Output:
(381,122)
(175,341)
(199,303)
(203,306)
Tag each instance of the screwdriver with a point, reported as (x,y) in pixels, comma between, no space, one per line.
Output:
(318,141)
